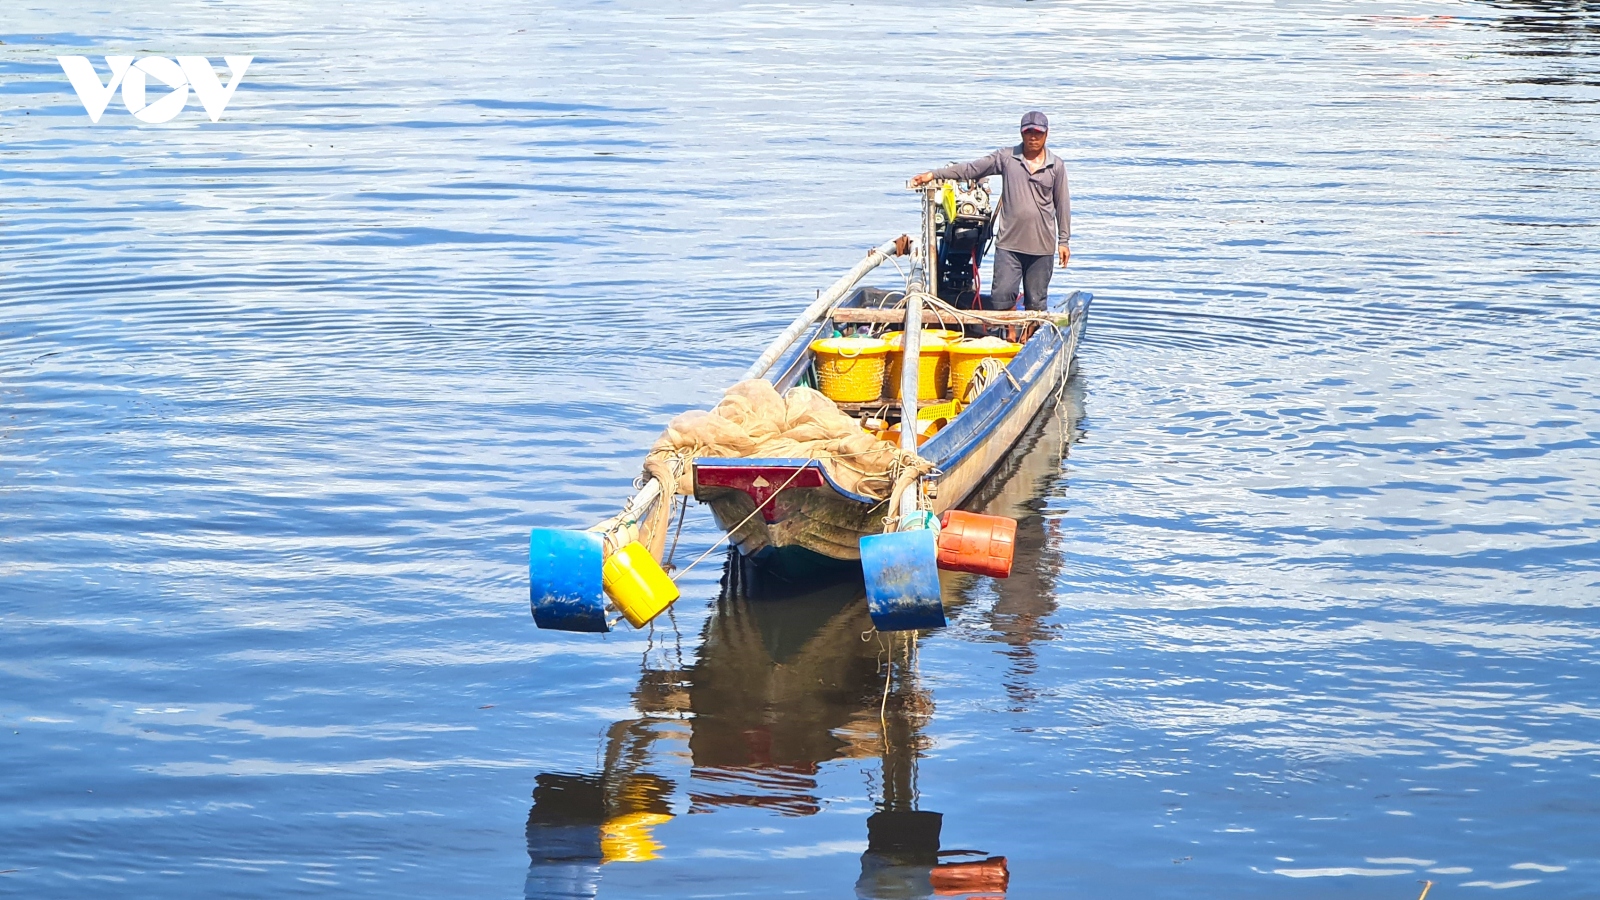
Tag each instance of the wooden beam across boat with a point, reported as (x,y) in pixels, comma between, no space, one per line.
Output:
(844,316)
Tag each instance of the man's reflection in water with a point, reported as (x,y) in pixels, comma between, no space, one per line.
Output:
(782,683)
(903,858)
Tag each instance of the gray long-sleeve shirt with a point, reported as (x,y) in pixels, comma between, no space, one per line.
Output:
(1035,208)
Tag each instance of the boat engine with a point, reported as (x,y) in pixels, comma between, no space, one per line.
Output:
(964,221)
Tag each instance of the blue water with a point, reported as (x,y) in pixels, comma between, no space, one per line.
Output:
(1308,602)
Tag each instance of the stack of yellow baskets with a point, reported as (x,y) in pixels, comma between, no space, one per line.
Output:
(865,369)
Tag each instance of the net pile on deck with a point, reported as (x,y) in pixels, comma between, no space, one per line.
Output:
(754,421)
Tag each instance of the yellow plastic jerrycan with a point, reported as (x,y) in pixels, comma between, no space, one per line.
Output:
(637,584)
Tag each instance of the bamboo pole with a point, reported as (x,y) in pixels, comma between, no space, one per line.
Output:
(911,342)
(654,491)
(910,382)
(930,238)
(897,247)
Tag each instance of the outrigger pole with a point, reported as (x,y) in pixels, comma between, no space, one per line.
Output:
(900,246)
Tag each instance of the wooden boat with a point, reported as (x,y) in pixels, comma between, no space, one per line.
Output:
(790,513)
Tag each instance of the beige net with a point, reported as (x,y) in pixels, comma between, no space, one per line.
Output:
(753,420)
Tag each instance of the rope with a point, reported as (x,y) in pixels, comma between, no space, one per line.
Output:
(683,508)
(742,522)
(883,704)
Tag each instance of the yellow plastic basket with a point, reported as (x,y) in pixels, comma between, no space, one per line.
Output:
(965,356)
(933,363)
(930,420)
(939,414)
(850,370)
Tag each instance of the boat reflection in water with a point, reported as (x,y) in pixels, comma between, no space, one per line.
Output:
(783,683)
(1020,489)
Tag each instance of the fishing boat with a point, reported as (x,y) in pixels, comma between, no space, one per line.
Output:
(824,454)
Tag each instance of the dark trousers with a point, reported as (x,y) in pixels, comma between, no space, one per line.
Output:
(1013,270)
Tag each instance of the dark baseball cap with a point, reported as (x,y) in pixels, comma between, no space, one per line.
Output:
(1035,121)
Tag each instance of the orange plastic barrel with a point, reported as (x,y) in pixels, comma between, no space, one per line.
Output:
(989,877)
(933,362)
(965,356)
(971,542)
(925,432)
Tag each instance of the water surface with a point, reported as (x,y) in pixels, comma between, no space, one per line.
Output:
(1307,600)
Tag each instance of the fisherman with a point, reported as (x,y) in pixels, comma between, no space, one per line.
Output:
(1035,213)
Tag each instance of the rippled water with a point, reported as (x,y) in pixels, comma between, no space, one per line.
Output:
(1308,608)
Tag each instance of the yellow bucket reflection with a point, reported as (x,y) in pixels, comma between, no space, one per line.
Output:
(627,838)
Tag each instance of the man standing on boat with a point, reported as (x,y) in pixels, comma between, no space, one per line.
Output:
(1035,213)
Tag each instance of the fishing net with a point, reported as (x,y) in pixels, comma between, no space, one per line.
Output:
(754,420)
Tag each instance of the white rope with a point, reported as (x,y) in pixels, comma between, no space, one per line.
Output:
(743,521)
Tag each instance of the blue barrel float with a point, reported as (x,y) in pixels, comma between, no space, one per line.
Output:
(564,580)
(901,570)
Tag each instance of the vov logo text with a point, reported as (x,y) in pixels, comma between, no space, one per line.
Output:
(188,72)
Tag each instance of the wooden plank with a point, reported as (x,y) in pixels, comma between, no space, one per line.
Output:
(847,316)
(883,403)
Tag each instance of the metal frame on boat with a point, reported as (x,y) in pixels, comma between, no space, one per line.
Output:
(789,511)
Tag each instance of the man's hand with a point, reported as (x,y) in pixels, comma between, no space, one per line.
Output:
(1064,253)
(920,180)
